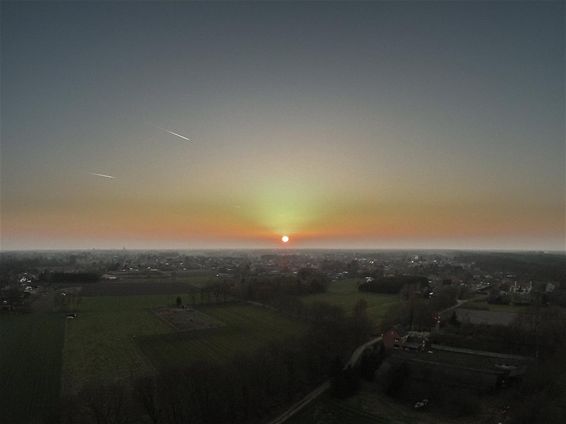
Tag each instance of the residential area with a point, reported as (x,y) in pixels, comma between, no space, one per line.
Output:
(442,335)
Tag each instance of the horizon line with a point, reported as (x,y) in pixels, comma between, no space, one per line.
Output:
(287,249)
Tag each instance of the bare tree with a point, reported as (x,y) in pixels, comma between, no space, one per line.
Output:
(145,393)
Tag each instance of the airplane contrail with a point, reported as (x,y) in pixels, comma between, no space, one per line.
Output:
(175,134)
(102,175)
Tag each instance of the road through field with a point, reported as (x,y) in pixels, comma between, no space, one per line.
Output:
(324,386)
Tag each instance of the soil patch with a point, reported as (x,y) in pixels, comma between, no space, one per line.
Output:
(187,319)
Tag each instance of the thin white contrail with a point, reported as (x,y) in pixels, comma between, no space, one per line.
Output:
(178,135)
(175,134)
(102,175)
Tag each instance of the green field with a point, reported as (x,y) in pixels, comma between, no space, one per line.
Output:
(344,293)
(246,329)
(100,343)
(482,304)
(118,337)
(30,364)
(104,342)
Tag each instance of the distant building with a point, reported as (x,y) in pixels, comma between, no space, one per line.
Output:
(390,338)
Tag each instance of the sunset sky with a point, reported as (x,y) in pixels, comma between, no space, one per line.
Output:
(366,125)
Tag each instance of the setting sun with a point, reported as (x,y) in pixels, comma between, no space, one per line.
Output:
(285,239)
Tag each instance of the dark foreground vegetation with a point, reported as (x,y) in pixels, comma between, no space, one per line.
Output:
(246,389)
(535,266)
(394,285)
(451,390)
(239,372)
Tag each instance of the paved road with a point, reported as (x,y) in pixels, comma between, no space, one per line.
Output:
(302,403)
(323,387)
(358,352)
(460,303)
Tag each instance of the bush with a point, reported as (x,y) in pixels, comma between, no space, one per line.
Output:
(393,285)
(462,404)
(345,383)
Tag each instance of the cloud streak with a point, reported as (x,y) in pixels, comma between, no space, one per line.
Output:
(175,134)
(102,175)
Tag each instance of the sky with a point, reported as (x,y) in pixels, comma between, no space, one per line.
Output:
(339,124)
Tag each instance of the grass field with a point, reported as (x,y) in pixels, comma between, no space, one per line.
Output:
(483,305)
(344,293)
(365,407)
(103,343)
(246,329)
(100,345)
(119,337)
(30,364)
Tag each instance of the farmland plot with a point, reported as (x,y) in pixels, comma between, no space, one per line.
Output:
(103,343)
(30,365)
(344,293)
(246,328)
(186,318)
(100,343)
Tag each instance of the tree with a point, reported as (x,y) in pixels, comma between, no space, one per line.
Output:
(543,325)
(360,323)
(392,285)
(421,315)
(444,298)
(145,393)
(345,383)
(370,361)
(105,403)
(353,267)
(395,379)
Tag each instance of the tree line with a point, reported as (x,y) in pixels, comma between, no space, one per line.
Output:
(418,312)
(70,277)
(276,290)
(265,288)
(393,284)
